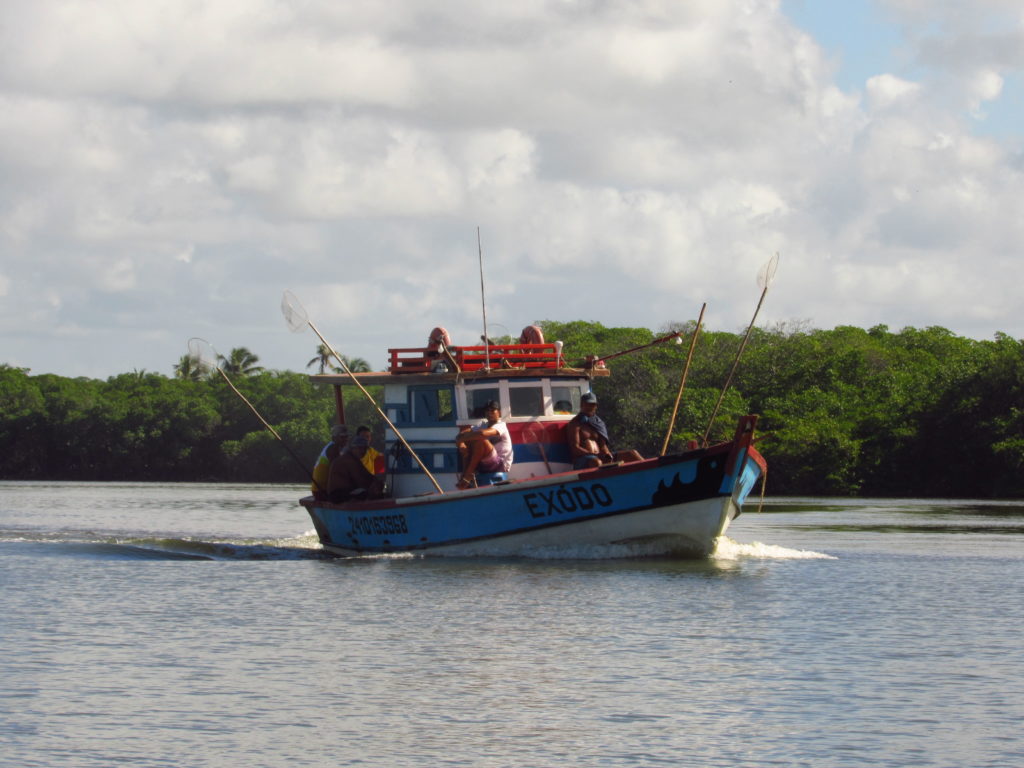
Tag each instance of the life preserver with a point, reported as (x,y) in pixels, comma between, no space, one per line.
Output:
(531,334)
(438,336)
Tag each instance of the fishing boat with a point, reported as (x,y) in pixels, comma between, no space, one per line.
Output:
(676,504)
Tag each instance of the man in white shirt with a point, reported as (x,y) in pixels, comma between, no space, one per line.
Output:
(486,448)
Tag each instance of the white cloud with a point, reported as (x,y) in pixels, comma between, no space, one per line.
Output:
(169,168)
(209,53)
(986,85)
(498,159)
(887,90)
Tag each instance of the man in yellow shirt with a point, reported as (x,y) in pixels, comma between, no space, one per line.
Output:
(370,460)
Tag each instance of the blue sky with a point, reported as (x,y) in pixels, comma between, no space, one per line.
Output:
(864,38)
(167,171)
(861,37)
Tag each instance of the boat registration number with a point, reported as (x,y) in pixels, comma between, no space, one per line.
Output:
(378,524)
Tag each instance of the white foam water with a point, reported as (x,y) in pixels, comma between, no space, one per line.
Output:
(727,549)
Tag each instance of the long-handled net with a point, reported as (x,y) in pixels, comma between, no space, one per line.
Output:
(764,279)
(297,318)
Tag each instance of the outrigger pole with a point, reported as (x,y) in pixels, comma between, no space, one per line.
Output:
(204,353)
(674,335)
(682,380)
(296,317)
(764,279)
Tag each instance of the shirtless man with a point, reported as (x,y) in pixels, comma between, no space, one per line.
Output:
(349,479)
(587,436)
(487,447)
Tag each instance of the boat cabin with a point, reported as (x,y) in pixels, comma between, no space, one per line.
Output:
(430,392)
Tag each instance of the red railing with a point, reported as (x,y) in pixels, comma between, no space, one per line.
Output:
(496,356)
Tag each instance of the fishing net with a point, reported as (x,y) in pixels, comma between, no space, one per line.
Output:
(767,273)
(294,313)
(203,354)
(297,319)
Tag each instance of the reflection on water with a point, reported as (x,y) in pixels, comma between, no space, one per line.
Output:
(982,521)
(890,506)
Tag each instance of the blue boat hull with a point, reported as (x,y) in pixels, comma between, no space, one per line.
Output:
(671,505)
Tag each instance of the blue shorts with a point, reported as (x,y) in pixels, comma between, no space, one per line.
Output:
(582,462)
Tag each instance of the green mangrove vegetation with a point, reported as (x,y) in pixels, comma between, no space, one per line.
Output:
(847,411)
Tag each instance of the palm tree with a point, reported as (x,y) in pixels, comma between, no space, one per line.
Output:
(241,362)
(189,368)
(323,358)
(355,364)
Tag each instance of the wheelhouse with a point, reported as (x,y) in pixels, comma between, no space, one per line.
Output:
(430,392)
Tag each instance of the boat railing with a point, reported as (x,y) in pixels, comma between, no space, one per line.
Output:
(494,356)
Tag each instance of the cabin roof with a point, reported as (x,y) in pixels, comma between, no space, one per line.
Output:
(437,362)
(386,377)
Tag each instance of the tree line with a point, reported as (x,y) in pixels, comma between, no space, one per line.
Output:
(847,411)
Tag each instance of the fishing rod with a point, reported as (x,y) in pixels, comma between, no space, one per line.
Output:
(206,356)
(297,319)
(764,280)
(682,380)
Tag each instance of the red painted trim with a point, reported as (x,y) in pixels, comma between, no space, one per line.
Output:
(753,453)
(741,442)
(496,356)
(527,432)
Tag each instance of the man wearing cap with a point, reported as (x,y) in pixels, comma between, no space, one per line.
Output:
(322,468)
(587,437)
(349,480)
(485,448)
(372,454)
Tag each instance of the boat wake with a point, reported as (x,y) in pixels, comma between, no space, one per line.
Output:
(303,547)
(299,548)
(306,546)
(568,552)
(651,549)
(727,549)
(620,551)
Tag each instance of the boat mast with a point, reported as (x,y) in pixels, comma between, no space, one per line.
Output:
(483,303)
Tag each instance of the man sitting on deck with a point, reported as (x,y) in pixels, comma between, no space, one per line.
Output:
(322,468)
(587,437)
(373,466)
(487,448)
(349,479)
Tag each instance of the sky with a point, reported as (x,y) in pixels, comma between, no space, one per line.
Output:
(169,168)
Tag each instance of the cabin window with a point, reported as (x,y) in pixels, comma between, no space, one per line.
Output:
(477,400)
(565,399)
(431,405)
(526,401)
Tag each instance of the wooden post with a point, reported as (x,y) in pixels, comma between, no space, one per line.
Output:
(339,403)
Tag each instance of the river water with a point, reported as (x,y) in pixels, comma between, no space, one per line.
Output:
(200,625)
